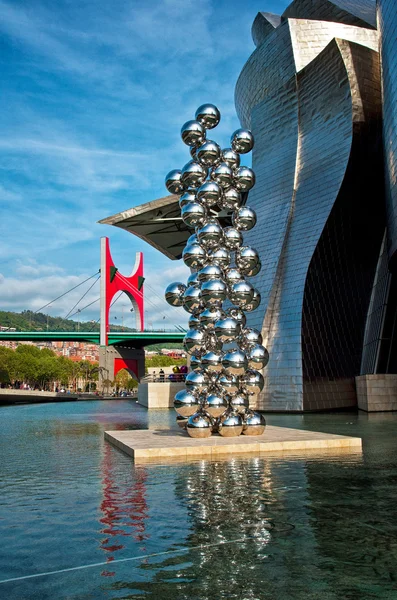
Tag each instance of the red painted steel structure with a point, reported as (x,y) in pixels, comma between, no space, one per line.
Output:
(113,282)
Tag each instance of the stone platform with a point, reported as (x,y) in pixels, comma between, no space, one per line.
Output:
(160,443)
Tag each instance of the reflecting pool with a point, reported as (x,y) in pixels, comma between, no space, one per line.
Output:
(79,521)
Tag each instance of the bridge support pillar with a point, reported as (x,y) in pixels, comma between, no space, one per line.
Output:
(113,359)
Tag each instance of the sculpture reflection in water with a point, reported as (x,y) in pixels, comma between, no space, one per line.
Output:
(226,356)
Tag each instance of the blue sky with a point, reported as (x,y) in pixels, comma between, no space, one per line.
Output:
(94,94)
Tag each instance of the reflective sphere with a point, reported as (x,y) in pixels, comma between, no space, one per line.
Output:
(192,299)
(249,337)
(220,256)
(193,342)
(192,239)
(213,291)
(211,342)
(199,425)
(232,238)
(242,141)
(209,194)
(247,260)
(173,182)
(196,381)
(192,151)
(193,174)
(210,235)
(231,158)
(194,321)
(193,214)
(239,402)
(244,218)
(193,280)
(231,199)
(193,133)
(227,382)
(223,175)
(227,330)
(212,362)
(187,197)
(208,154)
(209,316)
(237,314)
(252,382)
(215,405)
(195,362)
(253,423)
(258,357)
(186,403)
(210,272)
(230,425)
(208,115)
(241,293)
(194,256)
(244,179)
(232,275)
(182,422)
(174,293)
(235,362)
(255,302)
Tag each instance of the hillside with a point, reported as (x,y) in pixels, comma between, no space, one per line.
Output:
(30,321)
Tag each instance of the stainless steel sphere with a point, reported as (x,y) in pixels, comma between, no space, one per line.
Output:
(193,174)
(194,256)
(239,402)
(211,271)
(192,151)
(228,383)
(208,154)
(252,382)
(193,280)
(244,179)
(213,291)
(197,381)
(193,133)
(249,337)
(211,342)
(208,115)
(192,239)
(235,362)
(255,302)
(241,293)
(232,275)
(244,218)
(212,362)
(181,421)
(258,357)
(231,158)
(230,425)
(220,256)
(209,193)
(247,260)
(210,235)
(227,330)
(199,425)
(223,175)
(193,342)
(194,321)
(215,405)
(253,423)
(242,141)
(186,403)
(237,314)
(195,362)
(193,214)
(209,316)
(174,293)
(231,199)
(192,299)
(188,196)
(232,238)
(173,182)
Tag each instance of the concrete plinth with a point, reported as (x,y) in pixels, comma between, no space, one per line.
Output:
(376,393)
(158,395)
(151,444)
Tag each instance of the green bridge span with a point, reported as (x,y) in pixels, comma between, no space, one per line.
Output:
(130,339)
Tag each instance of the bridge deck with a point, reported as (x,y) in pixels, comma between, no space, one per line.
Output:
(133,339)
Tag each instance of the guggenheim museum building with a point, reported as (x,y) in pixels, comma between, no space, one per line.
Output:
(319,93)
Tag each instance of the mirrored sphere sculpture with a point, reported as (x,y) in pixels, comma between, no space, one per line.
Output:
(225,355)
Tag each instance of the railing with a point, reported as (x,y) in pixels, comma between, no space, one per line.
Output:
(166,378)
